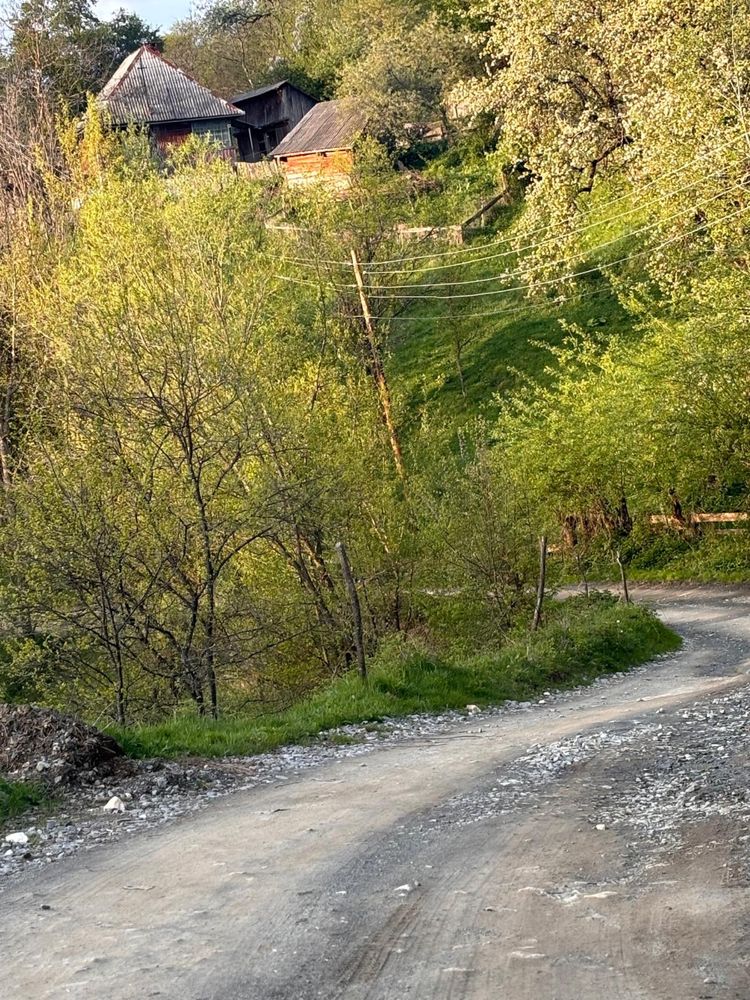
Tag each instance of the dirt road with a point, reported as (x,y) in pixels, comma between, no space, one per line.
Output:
(589,848)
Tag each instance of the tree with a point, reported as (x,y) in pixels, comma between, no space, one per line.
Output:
(590,93)
(67,50)
(403,80)
(172,528)
(124,33)
(235,46)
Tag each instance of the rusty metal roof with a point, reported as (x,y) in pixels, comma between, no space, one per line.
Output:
(147,88)
(329,125)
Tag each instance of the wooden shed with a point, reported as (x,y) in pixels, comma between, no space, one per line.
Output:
(149,90)
(268,115)
(321,147)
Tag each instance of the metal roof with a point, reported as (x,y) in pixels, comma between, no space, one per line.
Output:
(328,126)
(268,89)
(147,88)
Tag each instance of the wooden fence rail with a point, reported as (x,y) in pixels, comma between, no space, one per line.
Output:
(738,522)
(668,520)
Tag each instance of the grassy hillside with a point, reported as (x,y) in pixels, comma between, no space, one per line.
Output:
(457,356)
(500,348)
(454,359)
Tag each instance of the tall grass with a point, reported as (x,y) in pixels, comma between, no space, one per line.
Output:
(581,641)
(16,798)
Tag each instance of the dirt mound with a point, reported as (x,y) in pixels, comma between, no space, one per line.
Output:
(45,745)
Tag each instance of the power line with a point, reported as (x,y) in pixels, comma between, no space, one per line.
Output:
(520,272)
(459,317)
(579,274)
(571,276)
(462,250)
(345,265)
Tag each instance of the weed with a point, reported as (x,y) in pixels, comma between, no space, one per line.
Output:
(18,797)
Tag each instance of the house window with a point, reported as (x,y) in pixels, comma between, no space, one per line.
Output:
(215,131)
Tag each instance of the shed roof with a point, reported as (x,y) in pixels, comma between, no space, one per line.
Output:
(260,91)
(329,125)
(148,88)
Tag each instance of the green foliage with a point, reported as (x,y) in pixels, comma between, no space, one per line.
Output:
(584,90)
(17,798)
(718,557)
(74,51)
(581,642)
(457,361)
(193,410)
(457,182)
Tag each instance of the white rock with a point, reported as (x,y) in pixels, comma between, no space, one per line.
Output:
(600,826)
(115,805)
(18,839)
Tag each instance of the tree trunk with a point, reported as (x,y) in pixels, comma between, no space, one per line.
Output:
(210,643)
(120,692)
(459,366)
(351,589)
(584,578)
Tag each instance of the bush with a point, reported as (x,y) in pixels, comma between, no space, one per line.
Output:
(581,641)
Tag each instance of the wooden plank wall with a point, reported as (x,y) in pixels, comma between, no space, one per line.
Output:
(333,168)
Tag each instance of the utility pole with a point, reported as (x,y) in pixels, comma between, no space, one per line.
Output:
(378,371)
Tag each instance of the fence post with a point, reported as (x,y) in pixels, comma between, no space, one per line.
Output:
(623,577)
(542,582)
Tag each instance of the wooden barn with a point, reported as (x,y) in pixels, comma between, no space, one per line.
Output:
(268,115)
(149,90)
(321,147)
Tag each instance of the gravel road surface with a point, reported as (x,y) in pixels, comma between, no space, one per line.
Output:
(592,846)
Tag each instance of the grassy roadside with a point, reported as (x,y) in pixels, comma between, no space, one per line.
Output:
(580,641)
(718,557)
(17,797)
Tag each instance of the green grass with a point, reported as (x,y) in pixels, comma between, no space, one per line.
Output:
(507,335)
(17,798)
(719,557)
(580,642)
(509,344)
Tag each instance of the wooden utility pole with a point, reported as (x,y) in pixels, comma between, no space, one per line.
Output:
(378,370)
(351,589)
(542,582)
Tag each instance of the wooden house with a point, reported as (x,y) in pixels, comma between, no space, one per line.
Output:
(321,147)
(150,91)
(268,115)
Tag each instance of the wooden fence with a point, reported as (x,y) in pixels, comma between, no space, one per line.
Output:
(692,520)
(726,522)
